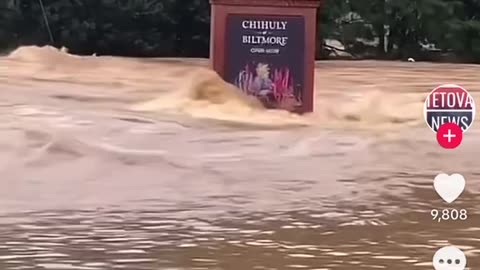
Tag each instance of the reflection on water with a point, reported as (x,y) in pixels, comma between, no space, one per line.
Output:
(89,183)
(352,236)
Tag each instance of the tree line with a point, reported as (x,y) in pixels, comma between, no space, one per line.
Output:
(436,30)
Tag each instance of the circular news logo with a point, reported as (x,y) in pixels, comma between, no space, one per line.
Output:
(449,103)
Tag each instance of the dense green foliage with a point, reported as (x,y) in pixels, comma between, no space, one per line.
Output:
(412,28)
(391,29)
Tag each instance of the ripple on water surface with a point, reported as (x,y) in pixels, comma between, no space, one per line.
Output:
(361,238)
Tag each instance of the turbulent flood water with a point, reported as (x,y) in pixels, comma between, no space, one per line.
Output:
(112,163)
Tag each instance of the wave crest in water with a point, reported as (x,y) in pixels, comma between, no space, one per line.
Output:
(196,91)
(354,95)
(43,55)
(371,109)
(203,94)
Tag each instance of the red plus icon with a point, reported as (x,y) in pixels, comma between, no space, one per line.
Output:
(449,135)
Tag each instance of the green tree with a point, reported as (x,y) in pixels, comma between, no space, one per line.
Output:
(393,29)
(461,35)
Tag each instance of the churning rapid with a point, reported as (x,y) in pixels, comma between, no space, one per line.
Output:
(110,162)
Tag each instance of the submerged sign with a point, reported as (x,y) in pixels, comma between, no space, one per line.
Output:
(265,57)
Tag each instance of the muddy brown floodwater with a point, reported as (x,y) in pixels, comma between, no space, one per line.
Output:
(115,163)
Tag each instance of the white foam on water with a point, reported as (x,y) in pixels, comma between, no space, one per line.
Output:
(29,256)
(65,266)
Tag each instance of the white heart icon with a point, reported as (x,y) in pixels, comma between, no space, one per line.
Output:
(449,187)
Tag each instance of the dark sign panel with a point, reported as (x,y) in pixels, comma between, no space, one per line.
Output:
(265,57)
